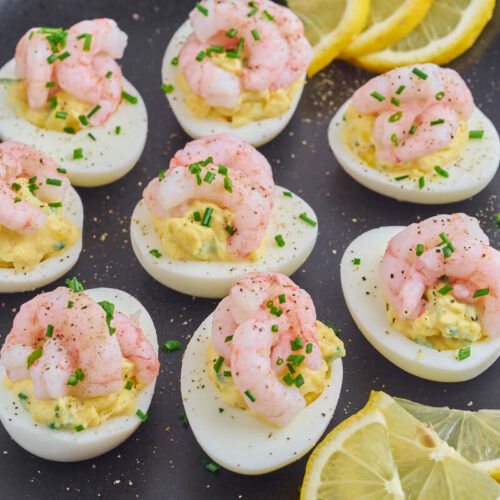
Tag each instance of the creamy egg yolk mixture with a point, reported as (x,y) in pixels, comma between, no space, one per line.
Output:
(24,252)
(62,113)
(445,324)
(70,412)
(186,238)
(314,380)
(253,105)
(358,135)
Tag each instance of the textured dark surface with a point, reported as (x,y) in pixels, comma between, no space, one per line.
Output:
(162,459)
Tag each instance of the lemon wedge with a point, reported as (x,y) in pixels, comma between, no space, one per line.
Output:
(447,30)
(330,26)
(354,461)
(474,434)
(388,22)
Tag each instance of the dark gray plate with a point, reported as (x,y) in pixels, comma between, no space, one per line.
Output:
(162,459)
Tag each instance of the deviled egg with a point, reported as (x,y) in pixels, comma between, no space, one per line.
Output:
(414,134)
(215,215)
(261,377)
(64,93)
(72,392)
(41,219)
(426,296)
(238,68)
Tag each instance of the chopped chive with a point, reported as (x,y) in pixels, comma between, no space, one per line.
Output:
(421,183)
(498,219)
(476,134)
(70,304)
(394,139)
(167,88)
(79,374)
(129,385)
(118,129)
(395,101)
(184,418)
(446,252)
(32,179)
(207,217)
(221,410)
(53,102)
(211,466)
(288,379)
(230,230)
(303,216)
(197,216)
(437,122)
(296,344)
(209,177)
(174,61)
(63,56)
(171,345)
(296,359)
(250,396)
(439,96)
(77,153)
(130,98)
(282,298)
(55,204)
(395,117)
(74,284)
(290,367)
(15,186)
(280,361)
(109,309)
(445,289)
(161,174)
(79,428)
(413,129)
(255,35)
(441,172)
(155,253)
(299,380)
(49,85)
(33,188)
(401,177)
(53,182)
(228,185)
(109,74)
(279,240)
(274,328)
(481,292)
(253,11)
(62,115)
(420,249)
(72,380)
(52,59)
(202,9)
(22,396)
(269,16)
(287,193)
(218,364)
(31,35)
(17,199)
(201,55)
(420,73)
(49,331)
(95,110)
(37,353)
(463,353)
(309,348)
(222,170)
(69,130)
(141,415)
(356,262)
(228,338)
(400,89)
(83,120)
(218,49)
(378,96)
(232,33)
(226,373)
(92,137)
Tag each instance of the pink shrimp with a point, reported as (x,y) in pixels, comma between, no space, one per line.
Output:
(471,265)
(70,331)
(272,38)
(21,160)
(250,196)
(243,333)
(418,109)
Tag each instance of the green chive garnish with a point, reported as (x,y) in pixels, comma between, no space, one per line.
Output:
(378,96)
(167,88)
(481,292)
(77,153)
(53,102)
(253,11)
(439,96)
(62,115)
(207,217)
(74,284)
(211,466)
(274,328)
(356,262)
(109,74)
(129,385)
(171,345)
(209,177)
(222,170)
(230,230)
(498,219)
(296,359)
(296,344)
(218,364)
(197,216)
(395,117)
(50,84)
(54,182)
(309,348)
(282,298)
(421,183)
(55,204)
(476,134)
(255,35)
(118,129)
(109,309)
(287,193)
(49,331)
(94,110)
(73,380)
(413,129)
(79,428)
(441,172)
(17,199)
(22,396)
(401,177)
(69,130)
(92,137)
(130,98)
(280,361)
(15,186)
(141,415)
(269,16)
(226,373)
(299,380)
(232,33)
(83,120)
(290,368)
(63,56)
(307,220)
(420,249)
(52,59)
(279,240)
(218,49)
(394,139)
(155,253)
(228,338)
(445,289)
(37,353)
(395,101)
(70,304)
(437,122)
(184,418)
(250,396)
(201,55)
(174,61)
(420,73)
(400,89)
(288,379)
(463,353)
(79,374)
(201,9)
(228,185)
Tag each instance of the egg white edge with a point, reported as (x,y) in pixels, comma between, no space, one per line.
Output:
(236,440)
(256,133)
(71,446)
(214,279)
(105,160)
(51,269)
(473,171)
(369,313)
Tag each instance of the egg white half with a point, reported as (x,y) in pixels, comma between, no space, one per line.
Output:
(236,440)
(367,305)
(467,176)
(256,133)
(214,279)
(72,446)
(53,268)
(105,160)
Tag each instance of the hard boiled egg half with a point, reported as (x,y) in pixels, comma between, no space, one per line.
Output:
(467,176)
(233,438)
(51,269)
(107,153)
(256,133)
(363,294)
(71,446)
(213,279)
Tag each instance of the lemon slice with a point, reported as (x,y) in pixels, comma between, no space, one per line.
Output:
(330,26)
(428,467)
(353,461)
(388,22)
(474,434)
(448,30)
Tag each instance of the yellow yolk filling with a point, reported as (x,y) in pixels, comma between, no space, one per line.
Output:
(253,105)
(48,118)
(314,380)
(358,135)
(445,324)
(24,252)
(184,238)
(70,412)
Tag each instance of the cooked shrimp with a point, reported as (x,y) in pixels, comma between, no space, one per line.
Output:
(275,58)
(416,115)
(473,265)
(21,160)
